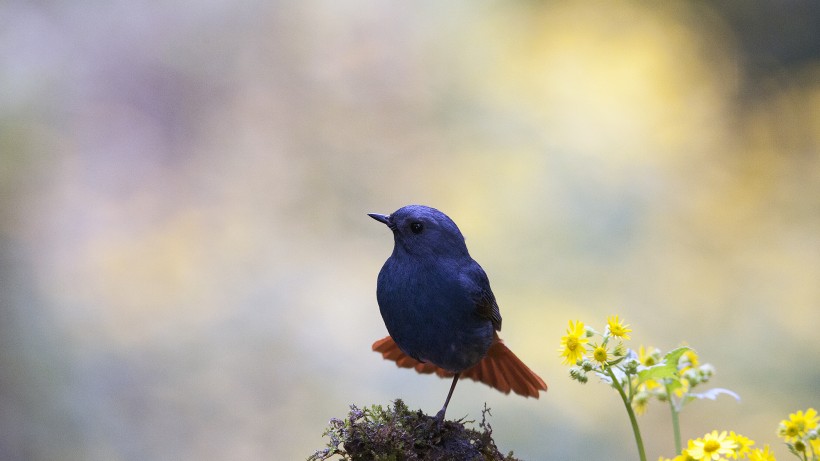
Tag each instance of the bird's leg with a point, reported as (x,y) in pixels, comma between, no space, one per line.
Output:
(440,414)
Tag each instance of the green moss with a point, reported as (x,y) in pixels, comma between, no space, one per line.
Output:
(398,434)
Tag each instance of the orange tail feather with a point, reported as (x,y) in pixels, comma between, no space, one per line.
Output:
(499,369)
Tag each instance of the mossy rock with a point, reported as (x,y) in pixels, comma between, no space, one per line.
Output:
(398,434)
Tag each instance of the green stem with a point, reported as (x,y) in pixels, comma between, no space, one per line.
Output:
(675,421)
(638,440)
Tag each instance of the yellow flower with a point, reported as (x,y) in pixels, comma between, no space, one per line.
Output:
(682,457)
(688,360)
(683,389)
(815,446)
(617,327)
(641,402)
(788,430)
(648,356)
(762,454)
(743,444)
(711,447)
(572,345)
(600,354)
(807,421)
(798,424)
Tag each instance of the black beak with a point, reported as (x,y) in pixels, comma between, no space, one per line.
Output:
(384,219)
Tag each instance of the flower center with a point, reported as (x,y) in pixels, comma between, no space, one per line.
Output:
(711,446)
(600,354)
(572,343)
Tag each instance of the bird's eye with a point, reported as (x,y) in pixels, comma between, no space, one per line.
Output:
(416,227)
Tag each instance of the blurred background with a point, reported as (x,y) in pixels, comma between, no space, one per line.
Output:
(187,270)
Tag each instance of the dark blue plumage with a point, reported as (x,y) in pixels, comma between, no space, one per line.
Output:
(438,307)
(430,285)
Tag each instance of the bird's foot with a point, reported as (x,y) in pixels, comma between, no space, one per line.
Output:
(440,418)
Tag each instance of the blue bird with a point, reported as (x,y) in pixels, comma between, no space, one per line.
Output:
(439,310)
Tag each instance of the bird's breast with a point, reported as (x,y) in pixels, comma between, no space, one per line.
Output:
(430,315)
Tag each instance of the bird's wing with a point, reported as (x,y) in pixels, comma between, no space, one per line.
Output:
(499,369)
(483,296)
(488,308)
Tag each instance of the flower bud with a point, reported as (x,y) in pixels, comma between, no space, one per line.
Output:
(706,371)
(692,376)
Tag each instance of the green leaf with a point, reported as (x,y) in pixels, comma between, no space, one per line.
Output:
(667,369)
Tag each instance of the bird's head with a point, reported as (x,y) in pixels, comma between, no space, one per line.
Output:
(420,230)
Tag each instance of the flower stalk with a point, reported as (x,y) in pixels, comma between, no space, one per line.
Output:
(675,420)
(632,420)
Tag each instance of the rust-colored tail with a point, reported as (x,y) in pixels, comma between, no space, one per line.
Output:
(499,369)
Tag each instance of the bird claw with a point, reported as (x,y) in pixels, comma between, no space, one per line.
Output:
(440,418)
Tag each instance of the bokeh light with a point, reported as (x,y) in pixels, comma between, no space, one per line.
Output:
(187,270)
